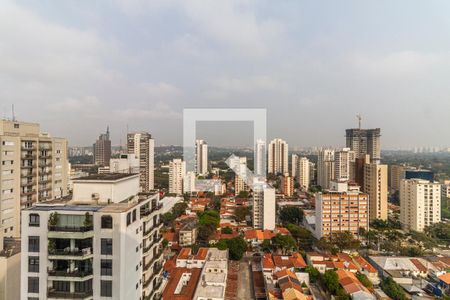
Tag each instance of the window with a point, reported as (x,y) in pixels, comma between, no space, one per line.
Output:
(106,267)
(16,125)
(83,286)
(33,264)
(34,220)
(106,246)
(128,219)
(106,288)
(33,244)
(134,215)
(33,284)
(61,286)
(107,222)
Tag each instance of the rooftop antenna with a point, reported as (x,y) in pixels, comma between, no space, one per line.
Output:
(359,117)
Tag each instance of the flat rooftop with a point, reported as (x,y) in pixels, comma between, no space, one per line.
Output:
(106,176)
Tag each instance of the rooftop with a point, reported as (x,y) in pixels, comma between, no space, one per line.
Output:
(106,176)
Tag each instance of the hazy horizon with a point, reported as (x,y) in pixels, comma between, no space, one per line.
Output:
(76,67)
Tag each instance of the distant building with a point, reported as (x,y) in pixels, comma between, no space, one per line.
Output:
(304,173)
(375,185)
(277,159)
(420,203)
(396,174)
(142,145)
(341,208)
(125,163)
(102,149)
(177,171)
(364,141)
(419,174)
(325,168)
(344,165)
(294,165)
(287,185)
(34,168)
(260,158)
(201,157)
(264,209)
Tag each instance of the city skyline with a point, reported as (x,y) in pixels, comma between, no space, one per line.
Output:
(140,64)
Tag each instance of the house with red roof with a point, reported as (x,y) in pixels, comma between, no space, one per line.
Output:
(353,286)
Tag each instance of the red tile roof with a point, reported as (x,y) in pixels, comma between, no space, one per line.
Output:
(201,254)
(364,264)
(445,278)
(350,283)
(187,292)
(184,253)
(419,265)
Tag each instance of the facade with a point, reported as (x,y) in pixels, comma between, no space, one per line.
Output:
(325,168)
(96,245)
(375,185)
(102,149)
(33,168)
(287,185)
(277,159)
(201,157)
(264,209)
(344,165)
(142,146)
(177,170)
(303,173)
(125,163)
(396,174)
(259,165)
(312,173)
(10,270)
(187,235)
(364,141)
(342,208)
(420,203)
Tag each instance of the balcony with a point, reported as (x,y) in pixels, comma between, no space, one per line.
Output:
(70,254)
(70,228)
(72,275)
(70,232)
(52,294)
(149,211)
(149,230)
(154,258)
(28,193)
(31,166)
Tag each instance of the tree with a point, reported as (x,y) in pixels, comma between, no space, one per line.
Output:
(167,218)
(243,194)
(226,230)
(331,281)
(411,251)
(178,209)
(285,243)
(237,247)
(392,289)
(344,240)
(209,217)
(266,246)
(291,214)
(314,274)
(221,245)
(241,212)
(302,235)
(204,232)
(364,280)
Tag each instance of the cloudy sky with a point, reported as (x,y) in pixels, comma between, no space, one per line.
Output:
(76,66)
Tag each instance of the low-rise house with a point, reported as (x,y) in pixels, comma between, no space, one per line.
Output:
(444,283)
(353,286)
(187,234)
(323,262)
(257,236)
(186,259)
(401,269)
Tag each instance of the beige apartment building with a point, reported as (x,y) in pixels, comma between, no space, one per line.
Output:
(277,157)
(420,203)
(342,208)
(375,185)
(287,185)
(177,170)
(33,168)
(142,146)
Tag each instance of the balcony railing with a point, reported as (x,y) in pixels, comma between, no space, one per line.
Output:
(68,295)
(65,273)
(70,252)
(70,228)
(149,211)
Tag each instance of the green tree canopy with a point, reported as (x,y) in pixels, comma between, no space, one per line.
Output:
(291,214)
(241,212)
(392,289)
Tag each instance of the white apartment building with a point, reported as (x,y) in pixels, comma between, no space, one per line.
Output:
(125,163)
(325,168)
(344,164)
(341,208)
(239,166)
(201,157)
(177,171)
(420,203)
(294,165)
(142,146)
(189,183)
(260,158)
(304,173)
(264,209)
(277,159)
(33,168)
(104,242)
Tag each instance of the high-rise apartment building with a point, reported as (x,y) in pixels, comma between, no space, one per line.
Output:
(375,185)
(142,145)
(260,158)
(342,208)
(303,172)
(33,168)
(264,209)
(287,185)
(420,203)
(312,173)
(325,167)
(294,165)
(102,149)
(177,171)
(201,157)
(344,164)
(239,166)
(364,141)
(103,243)
(277,159)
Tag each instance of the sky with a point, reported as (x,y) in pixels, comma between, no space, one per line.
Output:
(77,66)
